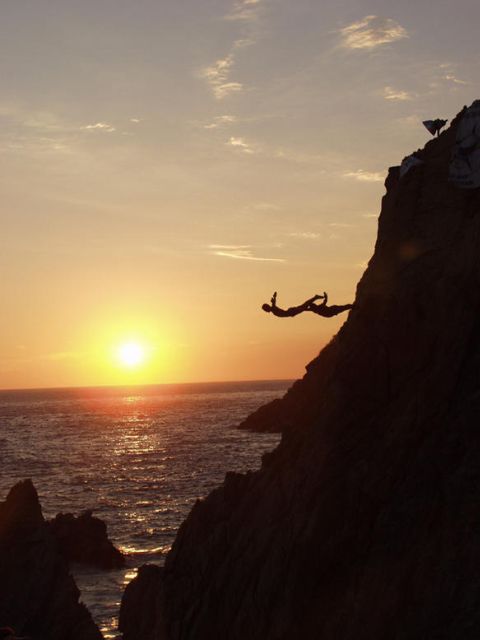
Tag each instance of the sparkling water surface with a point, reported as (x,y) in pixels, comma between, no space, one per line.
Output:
(138,457)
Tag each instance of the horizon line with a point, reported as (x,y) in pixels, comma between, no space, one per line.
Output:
(143,386)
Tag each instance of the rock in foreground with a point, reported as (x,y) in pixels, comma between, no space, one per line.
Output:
(141,610)
(38,596)
(364,524)
(84,539)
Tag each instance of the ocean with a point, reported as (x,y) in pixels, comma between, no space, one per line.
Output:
(138,457)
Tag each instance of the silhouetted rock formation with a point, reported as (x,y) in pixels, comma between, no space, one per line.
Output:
(141,610)
(84,539)
(270,417)
(38,597)
(364,524)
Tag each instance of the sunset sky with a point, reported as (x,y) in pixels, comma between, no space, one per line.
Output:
(166,165)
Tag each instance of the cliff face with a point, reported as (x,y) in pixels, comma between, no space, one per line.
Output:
(365,521)
(38,596)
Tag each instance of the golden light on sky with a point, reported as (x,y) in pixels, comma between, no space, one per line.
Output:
(186,159)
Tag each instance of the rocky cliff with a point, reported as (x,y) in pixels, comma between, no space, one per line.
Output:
(365,522)
(38,596)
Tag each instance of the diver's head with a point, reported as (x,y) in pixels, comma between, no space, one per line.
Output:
(266,307)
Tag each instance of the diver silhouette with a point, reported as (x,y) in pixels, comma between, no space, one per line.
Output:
(309,305)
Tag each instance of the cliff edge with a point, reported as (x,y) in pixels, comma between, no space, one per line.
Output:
(365,521)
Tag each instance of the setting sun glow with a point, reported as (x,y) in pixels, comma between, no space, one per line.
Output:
(131,354)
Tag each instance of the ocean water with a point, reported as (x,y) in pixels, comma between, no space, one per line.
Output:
(138,457)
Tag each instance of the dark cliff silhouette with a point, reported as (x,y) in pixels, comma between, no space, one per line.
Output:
(364,523)
(84,539)
(38,596)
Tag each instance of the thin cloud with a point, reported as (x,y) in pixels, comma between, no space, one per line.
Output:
(389,93)
(226,89)
(365,176)
(100,126)
(451,78)
(221,121)
(243,42)
(447,74)
(341,225)
(305,235)
(239,252)
(135,120)
(245,10)
(443,77)
(217,76)
(372,32)
(241,144)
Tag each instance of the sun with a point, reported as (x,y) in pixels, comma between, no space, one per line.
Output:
(131,354)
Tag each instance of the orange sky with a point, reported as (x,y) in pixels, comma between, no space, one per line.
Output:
(167,166)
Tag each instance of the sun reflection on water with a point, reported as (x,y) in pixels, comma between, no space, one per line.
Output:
(108,629)
(138,461)
(131,399)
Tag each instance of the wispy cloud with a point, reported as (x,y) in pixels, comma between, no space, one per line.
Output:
(239,252)
(451,78)
(389,93)
(371,32)
(218,74)
(245,10)
(305,235)
(443,77)
(447,74)
(100,126)
(135,120)
(365,176)
(341,225)
(30,132)
(221,121)
(241,145)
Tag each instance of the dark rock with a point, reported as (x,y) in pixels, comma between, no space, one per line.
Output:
(84,539)
(270,417)
(140,612)
(365,522)
(38,596)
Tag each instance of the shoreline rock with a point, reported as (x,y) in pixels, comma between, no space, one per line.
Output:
(84,539)
(140,610)
(38,596)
